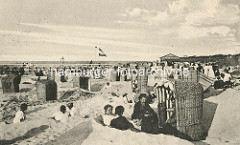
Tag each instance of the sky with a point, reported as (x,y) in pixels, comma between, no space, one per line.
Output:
(46,30)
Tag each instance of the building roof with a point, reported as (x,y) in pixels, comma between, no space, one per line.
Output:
(170,56)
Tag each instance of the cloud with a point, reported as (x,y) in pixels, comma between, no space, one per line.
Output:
(202,12)
(136,12)
(219,15)
(189,31)
(124,29)
(132,23)
(80,40)
(190,19)
(144,16)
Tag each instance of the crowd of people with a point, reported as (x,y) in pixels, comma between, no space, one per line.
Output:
(181,71)
(173,70)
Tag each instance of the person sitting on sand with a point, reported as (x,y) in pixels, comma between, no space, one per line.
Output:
(108,116)
(148,122)
(121,122)
(144,116)
(61,116)
(20,115)
(70,109)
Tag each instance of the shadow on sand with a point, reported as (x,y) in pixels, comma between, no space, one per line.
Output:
(209,110)
(74,136)
(30,133)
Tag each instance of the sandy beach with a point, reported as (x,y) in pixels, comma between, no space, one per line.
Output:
(83,130)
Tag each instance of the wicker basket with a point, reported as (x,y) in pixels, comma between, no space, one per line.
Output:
(10,84)
(76,82)
(84,83)
(189,108)
(191,76)
(46,90)
(142,83)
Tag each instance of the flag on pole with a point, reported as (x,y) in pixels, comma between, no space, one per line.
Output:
(101,53)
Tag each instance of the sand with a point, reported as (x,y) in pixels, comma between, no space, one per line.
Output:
(111,136)
(225,127)
(74,136)
(37,117)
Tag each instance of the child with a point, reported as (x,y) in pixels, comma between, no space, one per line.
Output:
(120,122)
(61,116)
(108,116)
(70,109)
(20,115)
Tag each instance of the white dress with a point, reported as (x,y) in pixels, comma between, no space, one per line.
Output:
(59,116)
(227,77)
(18,116)
(107,119)
(71,112)
(211,73)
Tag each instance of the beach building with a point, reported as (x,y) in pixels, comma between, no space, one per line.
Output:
(170,57)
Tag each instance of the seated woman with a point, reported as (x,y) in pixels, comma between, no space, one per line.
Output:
(61,116)
(121,122)
(144,116)
(20,115)
(149,122)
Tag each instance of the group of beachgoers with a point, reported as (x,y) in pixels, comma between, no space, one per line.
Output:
(143,118)
(176,69)
(62,115)
(143,115)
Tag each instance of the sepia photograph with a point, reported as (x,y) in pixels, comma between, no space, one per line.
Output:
(119,72)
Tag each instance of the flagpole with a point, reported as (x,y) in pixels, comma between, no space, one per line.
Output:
(96,53)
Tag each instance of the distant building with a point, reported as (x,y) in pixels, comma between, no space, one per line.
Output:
(27,65)
(170,57)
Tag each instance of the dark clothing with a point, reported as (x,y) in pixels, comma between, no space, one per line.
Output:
(139,110)
(150,122)
(149,125)
(148,117)
(200,69)
(121,123)
(219,84)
